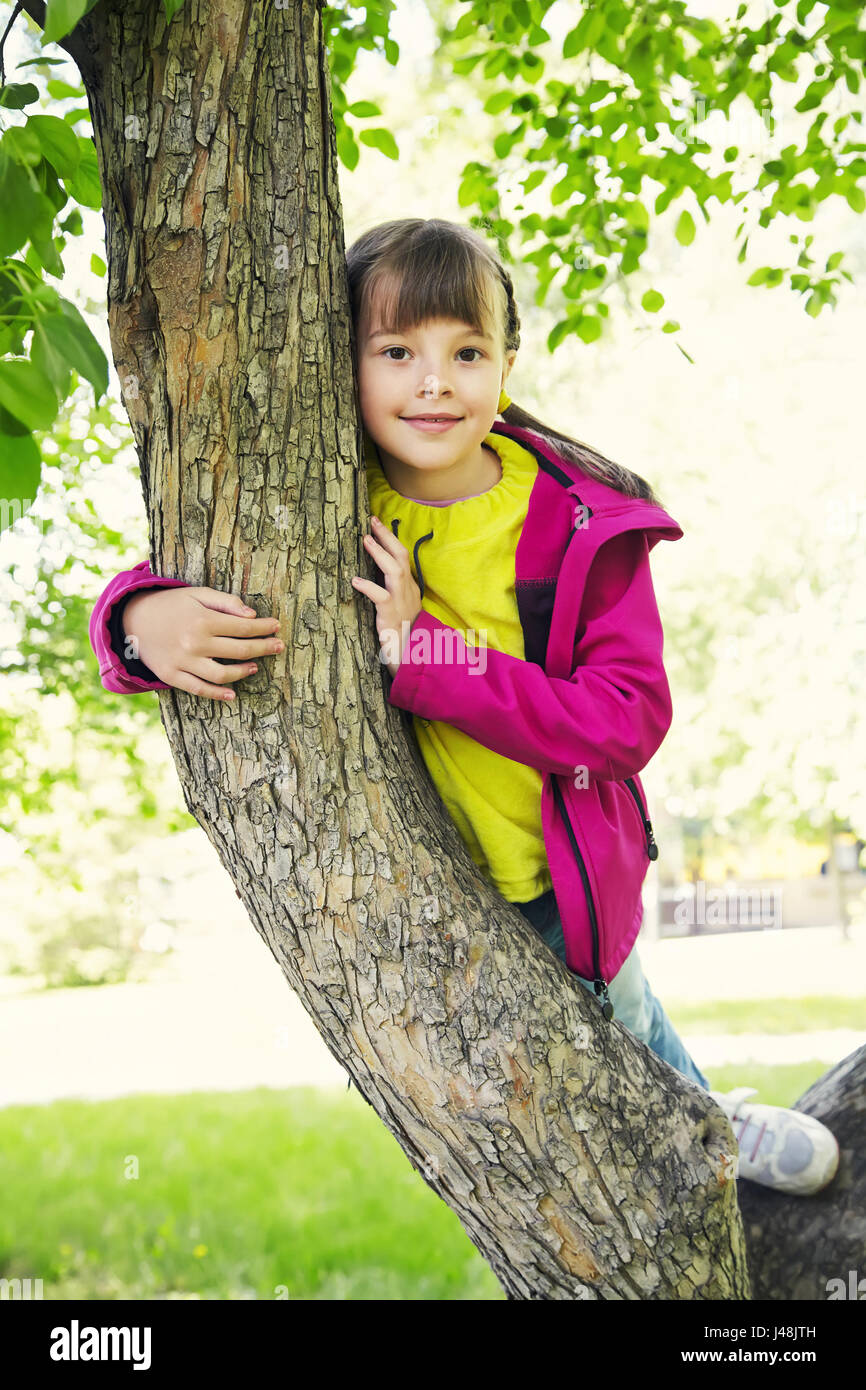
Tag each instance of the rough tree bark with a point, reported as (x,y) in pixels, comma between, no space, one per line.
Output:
(796,1245)
(579,1164)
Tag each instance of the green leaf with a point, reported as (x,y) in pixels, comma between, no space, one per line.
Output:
(380,139)
(347,147)
(47,254)
(24,211)
(9,425)
(68,334)
(58,143)
(464,65)
(572,43)
(558,332)
(856,199)
(61,17)
(466,24)
(760,276)
(495,61)
(97,264)
(364,108)
(589,328)
(652,301)
(22,146)
(27,394)
(63,90)
(50,362)
(171,8)
(20,469)
(834,261)
(73,224)
(79,113)
(671,326)
(84,186)
(685,229)
(498,102)
(16,95)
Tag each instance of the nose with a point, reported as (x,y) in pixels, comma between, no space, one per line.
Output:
(433,387)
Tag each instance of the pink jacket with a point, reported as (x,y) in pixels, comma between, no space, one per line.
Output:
(588,706)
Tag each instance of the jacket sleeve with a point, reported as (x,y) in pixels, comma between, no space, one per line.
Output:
(122,674)
(609,716)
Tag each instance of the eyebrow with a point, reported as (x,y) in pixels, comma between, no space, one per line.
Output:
(461,333)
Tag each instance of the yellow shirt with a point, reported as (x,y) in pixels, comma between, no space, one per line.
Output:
(468,569)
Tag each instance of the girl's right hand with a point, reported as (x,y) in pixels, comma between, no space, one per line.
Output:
(180,631)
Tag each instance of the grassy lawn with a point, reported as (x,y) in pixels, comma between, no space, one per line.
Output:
(768,1015)
(238,1194)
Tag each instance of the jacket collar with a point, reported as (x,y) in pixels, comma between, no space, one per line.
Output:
(596,496)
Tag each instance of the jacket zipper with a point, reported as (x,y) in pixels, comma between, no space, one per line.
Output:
(599,983)
(652,848)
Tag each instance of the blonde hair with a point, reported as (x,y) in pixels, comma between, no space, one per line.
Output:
(428,268)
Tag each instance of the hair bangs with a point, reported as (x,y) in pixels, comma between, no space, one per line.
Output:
(438,280)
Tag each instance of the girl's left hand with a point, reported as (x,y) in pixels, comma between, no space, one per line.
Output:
(400,601)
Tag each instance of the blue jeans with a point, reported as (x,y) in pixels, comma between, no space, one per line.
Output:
(634,1003)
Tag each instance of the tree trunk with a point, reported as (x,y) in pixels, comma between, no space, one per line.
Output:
(798,1246)
(838,880)
(579,1164)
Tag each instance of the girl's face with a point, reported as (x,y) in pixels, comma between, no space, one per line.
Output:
(439,367)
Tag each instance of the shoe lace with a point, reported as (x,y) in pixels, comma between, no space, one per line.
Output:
(746,1119)
(743,1114)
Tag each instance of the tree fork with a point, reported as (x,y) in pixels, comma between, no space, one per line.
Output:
(579,1163)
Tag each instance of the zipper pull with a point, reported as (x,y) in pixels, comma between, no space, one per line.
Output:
(607,1007)
(652,848)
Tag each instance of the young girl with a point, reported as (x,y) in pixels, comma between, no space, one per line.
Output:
(535,733)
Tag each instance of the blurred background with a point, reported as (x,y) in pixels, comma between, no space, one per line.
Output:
(171,1124)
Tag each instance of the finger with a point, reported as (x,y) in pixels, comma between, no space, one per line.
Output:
(388,563)
(211,671)
(386,538)
(220,602)
(222,624)
(239,648)
(373,591)
(185,680)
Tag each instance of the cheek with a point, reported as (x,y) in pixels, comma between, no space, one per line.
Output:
(377,388)
(366,386)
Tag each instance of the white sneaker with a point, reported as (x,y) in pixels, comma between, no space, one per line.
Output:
(780,1148)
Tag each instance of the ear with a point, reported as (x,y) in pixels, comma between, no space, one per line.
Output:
(509,363)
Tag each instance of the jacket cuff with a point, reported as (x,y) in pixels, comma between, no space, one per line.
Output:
(404,691)
(131,665)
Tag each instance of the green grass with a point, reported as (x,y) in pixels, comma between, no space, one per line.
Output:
(235,1195)
(805,1015)
(782,1085)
